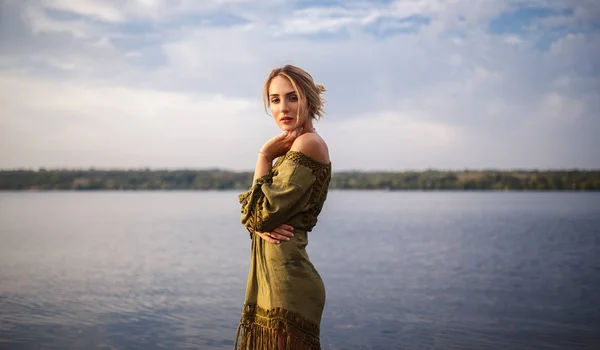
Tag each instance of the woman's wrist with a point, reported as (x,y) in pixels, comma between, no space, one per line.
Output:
(263,154)
(263,165)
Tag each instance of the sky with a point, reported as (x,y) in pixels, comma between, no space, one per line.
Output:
(411,85)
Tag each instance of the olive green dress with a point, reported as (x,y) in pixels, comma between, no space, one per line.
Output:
(285,295)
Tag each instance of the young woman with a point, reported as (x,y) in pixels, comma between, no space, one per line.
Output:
(285,295)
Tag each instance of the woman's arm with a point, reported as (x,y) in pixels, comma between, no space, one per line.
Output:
(263,166)
(275,147)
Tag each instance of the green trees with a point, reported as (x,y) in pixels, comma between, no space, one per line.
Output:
(429,180)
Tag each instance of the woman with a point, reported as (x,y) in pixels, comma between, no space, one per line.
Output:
(285,295)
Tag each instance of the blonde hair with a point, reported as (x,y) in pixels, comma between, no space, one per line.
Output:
(305,87)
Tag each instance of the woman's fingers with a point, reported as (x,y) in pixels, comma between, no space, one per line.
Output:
(292,135)
(282,143)
(287,227)
(268,238)
(277,237)
(283,233)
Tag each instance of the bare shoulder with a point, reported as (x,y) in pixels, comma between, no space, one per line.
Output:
(313,146)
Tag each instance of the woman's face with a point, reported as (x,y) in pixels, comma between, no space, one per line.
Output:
(284,104)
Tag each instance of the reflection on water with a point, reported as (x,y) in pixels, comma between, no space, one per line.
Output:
(167,270)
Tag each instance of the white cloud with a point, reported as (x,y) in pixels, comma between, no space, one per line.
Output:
(513,39)
(557,107)
(555,21)
(327,19)
(40,23)
(43,116)
(104,10)
(391,140)
(587,10)
(446,94)
(396,130)
(203,50)
(118,11)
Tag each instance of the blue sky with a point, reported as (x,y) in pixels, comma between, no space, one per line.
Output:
(411,84)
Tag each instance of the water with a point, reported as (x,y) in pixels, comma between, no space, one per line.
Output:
(405,270)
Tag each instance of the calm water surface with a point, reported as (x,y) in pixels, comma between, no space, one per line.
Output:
(403,270)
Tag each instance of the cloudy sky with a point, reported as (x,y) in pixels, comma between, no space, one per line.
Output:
(411,84)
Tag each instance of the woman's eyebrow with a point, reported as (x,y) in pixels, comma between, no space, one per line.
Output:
(289,93)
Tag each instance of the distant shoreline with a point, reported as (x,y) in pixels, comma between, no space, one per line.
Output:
(428,180)
(330,189)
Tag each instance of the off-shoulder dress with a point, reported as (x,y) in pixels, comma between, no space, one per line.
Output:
(285,294)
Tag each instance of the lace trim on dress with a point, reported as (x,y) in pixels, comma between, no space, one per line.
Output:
(277,328)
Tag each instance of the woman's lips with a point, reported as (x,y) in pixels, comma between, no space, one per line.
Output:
(286,119)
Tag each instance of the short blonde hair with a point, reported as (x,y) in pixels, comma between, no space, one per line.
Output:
(305,87)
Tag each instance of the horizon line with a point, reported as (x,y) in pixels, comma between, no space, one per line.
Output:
(465,169)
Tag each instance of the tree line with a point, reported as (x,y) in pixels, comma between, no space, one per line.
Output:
(215,179)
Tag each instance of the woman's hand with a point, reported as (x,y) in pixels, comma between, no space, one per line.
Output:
(282,233)
(280,144)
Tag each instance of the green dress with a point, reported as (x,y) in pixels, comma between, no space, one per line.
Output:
(285,295)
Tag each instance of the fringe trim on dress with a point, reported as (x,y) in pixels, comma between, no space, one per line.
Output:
(275,329)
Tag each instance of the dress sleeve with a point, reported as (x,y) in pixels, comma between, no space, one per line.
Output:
(277,196)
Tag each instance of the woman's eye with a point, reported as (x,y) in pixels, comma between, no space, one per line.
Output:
(294,98)
(275,100)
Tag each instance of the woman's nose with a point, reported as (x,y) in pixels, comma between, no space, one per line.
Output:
(284,106)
